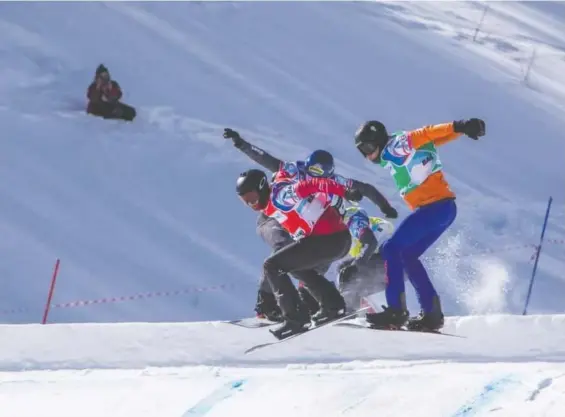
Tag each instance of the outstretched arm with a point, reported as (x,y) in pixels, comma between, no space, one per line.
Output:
(446,132)
(439,134)
(304,188)
(258,155)
(376,198)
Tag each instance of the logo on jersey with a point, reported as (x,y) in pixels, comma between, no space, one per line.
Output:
(400,147)
(299,234)
(290,168)
(257,150)
(283,196)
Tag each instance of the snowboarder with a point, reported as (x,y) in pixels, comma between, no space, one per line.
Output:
(412,158)
(319,164)
(103,97)
(303,208)
(363,272)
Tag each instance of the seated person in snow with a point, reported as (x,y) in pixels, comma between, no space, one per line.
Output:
(104,95)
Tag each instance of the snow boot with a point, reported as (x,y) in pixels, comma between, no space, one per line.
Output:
(431,321)
(389,319)
(330,301)
(327,314)
(331,311)
(290,327)
(266,307)
(296,323)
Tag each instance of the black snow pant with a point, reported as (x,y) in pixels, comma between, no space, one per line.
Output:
(274,235)
(303,257)
(112,110)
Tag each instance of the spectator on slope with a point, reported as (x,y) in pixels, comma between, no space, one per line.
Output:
(318,164)
(303,208)
(412,158)
(103,97)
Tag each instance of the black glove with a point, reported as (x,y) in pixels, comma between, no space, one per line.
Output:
(234,136)
(390,212)
(474,128)
(353,194)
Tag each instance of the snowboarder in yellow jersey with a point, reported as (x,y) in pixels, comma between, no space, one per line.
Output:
(413,161)
(362,273)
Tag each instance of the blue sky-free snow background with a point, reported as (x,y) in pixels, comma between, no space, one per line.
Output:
(150,206)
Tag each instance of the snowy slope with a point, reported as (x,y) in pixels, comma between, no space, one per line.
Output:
(149,207)
(509,364)
(502,338)
(391,389)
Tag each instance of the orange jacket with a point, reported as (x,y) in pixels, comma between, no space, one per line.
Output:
(435,187)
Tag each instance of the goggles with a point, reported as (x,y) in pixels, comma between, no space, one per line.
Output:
(316,170)
(250,198)
(367,148)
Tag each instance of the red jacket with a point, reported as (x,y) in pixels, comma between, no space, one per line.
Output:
(111,92)
(331,221)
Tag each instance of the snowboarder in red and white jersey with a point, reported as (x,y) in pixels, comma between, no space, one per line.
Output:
(303,208)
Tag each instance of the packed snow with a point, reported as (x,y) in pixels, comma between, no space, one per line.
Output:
(512,364)
(150,234)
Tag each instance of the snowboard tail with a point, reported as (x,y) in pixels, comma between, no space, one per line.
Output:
(252,323)
(308,330)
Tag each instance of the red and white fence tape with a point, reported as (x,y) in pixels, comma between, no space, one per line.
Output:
(141,296)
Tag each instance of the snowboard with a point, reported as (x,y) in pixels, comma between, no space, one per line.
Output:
(402,329)
(252,323)
(308,330)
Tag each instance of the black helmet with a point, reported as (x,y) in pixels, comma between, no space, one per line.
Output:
(369,136)
(253,180)
(102,72)
(101,68)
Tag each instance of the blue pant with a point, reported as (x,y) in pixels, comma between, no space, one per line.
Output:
(412,238)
